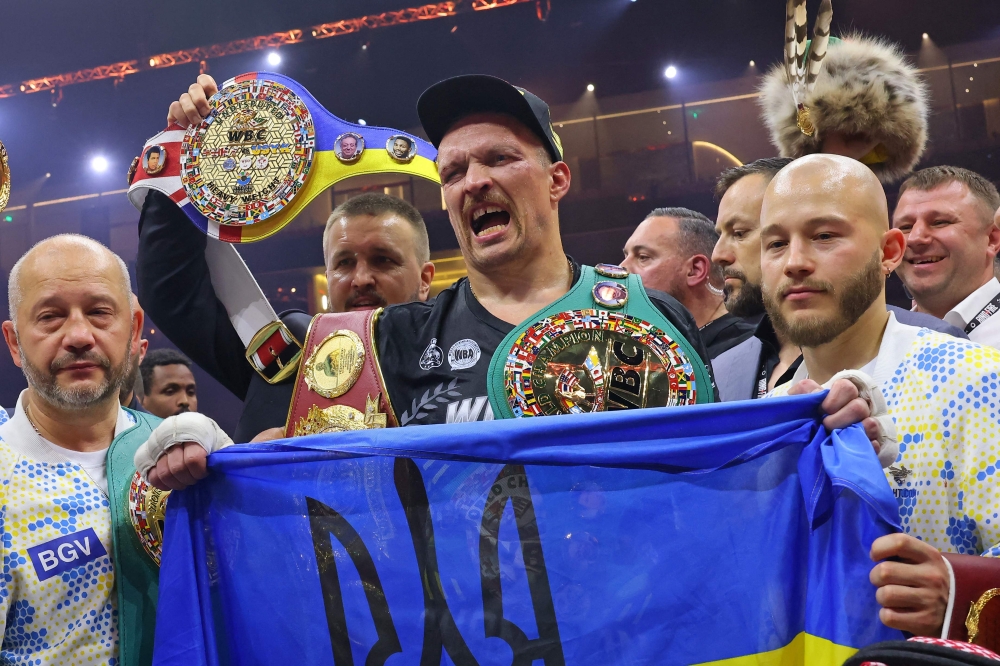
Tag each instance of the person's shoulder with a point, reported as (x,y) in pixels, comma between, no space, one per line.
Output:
(924,320)
(416,313)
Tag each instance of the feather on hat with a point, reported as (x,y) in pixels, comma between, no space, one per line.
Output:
(864,87)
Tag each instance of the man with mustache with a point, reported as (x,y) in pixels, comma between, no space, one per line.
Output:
(947,215)
(169,385)
(375,250)
(73,331)
(503,177)
(754,367)
(826,251)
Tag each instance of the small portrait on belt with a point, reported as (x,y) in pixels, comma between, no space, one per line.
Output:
(153,160)
(349,146)
(401,147)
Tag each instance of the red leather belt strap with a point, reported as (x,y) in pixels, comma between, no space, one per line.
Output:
(339,385)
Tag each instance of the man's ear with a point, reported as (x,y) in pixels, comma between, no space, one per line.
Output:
(993,241)
(560,181)
(893,247)
(698,269)
(426,277)
(138,319)
(10,337)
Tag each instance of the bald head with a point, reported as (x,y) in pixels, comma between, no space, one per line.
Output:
(826,248)
(62,256)
(827,185)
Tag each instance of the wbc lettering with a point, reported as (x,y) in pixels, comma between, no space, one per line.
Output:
(441,633)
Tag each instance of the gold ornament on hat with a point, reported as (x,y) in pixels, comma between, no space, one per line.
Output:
(804,59)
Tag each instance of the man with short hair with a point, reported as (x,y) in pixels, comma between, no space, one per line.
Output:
(73,331)
(375,250)
(671,250)
(758,364)
(826,251)
(169,385)
(946,214)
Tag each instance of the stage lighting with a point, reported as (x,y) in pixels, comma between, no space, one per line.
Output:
(99,164)
(590,87)
(670,72)
(361,121)
(8,218)
(273,59)
(753,64)
(926,36)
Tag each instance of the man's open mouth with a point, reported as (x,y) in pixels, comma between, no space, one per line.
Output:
(489,219)
(919,261)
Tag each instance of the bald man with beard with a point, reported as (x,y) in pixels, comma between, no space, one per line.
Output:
(826,251)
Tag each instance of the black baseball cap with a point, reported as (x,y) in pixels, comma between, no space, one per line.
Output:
(447,102)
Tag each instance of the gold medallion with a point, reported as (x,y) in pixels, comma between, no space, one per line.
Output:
(147,507)
(340,418)
(335,364)
(804,120)
(251,155)
(4,178)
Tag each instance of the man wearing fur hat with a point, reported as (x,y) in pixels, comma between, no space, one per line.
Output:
(856,96)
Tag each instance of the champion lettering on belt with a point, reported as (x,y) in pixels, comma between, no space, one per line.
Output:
(67,552)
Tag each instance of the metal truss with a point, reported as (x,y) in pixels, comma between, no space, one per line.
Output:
(120,70)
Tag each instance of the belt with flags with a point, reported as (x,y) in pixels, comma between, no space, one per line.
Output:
(266,149)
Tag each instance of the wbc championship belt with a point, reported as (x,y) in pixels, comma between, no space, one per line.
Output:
(339,385)
(603,346)
(4,178)
(266,149)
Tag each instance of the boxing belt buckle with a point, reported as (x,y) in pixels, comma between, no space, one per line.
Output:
(603,346)
(274,352)
(339,385)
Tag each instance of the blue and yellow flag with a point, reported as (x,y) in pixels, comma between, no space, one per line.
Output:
(735,533)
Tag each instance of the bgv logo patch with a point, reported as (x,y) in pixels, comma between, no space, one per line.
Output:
(67,552)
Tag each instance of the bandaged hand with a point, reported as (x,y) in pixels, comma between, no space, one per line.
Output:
(174,456)
(855,398)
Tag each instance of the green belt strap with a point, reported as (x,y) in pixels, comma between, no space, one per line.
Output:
(136,575)
(581,298)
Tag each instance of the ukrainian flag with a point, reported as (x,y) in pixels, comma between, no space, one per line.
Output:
(735,533)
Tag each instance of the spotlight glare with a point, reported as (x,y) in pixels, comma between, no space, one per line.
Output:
(48,175)
(926,36)
(273,59)
(753,64)
(99,164)
(590,87)
(670,72)
(361,121)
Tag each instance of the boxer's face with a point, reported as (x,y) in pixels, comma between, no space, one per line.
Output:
(153,162)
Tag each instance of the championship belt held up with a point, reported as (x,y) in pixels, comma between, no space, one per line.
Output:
(266,149)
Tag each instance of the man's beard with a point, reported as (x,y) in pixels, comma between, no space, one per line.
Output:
(748,301)
(46,384)
(857,294)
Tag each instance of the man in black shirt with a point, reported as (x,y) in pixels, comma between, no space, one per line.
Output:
(503,178)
